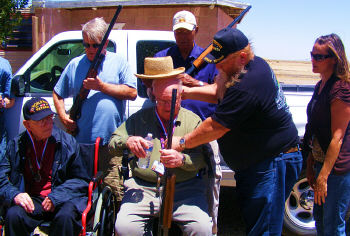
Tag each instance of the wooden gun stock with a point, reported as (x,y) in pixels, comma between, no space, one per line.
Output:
(169,200)
(75,111)
(196,65)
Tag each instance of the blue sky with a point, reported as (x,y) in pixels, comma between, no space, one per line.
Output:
(286,29)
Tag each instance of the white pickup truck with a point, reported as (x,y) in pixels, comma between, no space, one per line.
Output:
(39,74)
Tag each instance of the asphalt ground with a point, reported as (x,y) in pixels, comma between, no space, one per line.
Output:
(230,221)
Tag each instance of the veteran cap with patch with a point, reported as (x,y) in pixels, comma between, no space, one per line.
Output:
(226,41)
(184,19)
(36,108)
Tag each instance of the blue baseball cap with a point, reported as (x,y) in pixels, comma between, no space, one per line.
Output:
(226,41)
(36,108)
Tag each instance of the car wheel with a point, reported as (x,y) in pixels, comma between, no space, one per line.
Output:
(298,217)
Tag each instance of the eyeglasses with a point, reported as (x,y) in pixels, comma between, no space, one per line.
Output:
(319,57)
(43,121)
(88,45)
(163,102)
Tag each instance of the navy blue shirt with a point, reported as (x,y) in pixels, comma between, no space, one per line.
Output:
(206,74)
(255,111)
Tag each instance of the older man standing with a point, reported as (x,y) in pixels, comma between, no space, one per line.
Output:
(141,202)
(254,128)
(104,108)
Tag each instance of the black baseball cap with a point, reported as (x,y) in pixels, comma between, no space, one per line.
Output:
(36,108)
(226,41)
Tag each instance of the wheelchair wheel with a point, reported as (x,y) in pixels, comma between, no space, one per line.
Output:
(107,214)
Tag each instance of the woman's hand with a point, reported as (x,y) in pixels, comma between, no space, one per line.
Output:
(310,172)
(320,190)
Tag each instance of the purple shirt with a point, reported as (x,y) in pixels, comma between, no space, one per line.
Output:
(319,119)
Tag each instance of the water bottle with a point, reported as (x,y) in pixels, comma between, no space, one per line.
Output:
(144,162)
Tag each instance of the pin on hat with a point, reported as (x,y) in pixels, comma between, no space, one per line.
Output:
(184,19)
(159,68)
(226,41)
(36,108)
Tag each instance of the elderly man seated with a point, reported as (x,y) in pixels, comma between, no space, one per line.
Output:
(42,176)
(141,202)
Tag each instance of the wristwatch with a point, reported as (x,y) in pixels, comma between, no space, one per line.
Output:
(201,83)
(182,143)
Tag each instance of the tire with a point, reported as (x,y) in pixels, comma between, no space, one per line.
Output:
(298,213)
(108,213)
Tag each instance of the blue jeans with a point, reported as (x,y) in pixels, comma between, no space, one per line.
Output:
(263,189)
(3,136)
(330,216)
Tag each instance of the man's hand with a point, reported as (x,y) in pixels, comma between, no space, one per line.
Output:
(137,145)
(70,124)
(187,80)
(48,205)
(171,158)
(93,83)
(25,201)
(2,100)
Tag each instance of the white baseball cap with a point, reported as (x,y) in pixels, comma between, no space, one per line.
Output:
(184,19)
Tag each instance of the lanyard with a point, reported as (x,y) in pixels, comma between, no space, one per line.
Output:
(36,155)
(162,140)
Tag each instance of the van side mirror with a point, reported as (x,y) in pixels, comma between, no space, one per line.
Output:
(18,86)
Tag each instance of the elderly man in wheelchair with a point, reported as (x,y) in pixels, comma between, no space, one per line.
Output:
(42,176)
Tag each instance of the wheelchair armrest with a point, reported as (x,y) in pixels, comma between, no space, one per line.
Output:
(98,177)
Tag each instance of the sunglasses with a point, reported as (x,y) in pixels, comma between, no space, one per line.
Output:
(319,57)
(94,45)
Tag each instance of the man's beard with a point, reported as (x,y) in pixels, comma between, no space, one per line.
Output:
(225,81)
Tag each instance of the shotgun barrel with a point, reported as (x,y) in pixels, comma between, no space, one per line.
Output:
(199,61)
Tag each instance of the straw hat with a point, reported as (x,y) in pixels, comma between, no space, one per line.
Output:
(159,68)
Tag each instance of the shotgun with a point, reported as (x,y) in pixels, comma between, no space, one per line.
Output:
(196,65)
(169,179)
(75,111)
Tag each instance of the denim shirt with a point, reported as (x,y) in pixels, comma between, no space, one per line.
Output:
(5,77)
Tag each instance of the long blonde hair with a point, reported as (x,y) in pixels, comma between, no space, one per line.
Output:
(336,49)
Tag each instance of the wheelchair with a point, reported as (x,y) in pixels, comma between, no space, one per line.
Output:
(99,215)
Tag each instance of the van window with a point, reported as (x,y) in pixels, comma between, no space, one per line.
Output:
(47,70)
(147,48)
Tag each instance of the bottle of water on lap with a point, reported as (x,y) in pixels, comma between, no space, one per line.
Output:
(144,162)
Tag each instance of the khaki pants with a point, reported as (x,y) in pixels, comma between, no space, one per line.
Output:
(213,185)
(111,164)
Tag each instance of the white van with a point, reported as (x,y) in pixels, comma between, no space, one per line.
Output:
(38,76)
